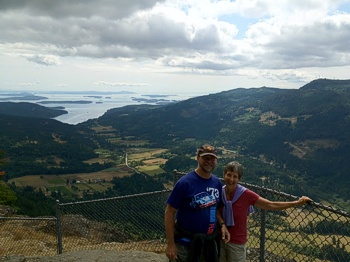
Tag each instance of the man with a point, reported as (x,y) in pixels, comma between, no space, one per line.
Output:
(195,199)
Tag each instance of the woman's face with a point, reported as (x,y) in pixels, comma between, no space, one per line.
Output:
(231,178)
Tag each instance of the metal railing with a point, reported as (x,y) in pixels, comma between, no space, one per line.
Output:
(136,222)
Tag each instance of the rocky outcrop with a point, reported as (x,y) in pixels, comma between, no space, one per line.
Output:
(6,211)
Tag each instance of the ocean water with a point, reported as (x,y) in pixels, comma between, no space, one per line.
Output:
(99,102)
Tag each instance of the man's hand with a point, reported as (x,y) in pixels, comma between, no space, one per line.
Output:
(171,251)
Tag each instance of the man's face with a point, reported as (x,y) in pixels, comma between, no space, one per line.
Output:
(207,163)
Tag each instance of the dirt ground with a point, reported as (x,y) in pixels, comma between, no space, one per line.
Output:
(93,256)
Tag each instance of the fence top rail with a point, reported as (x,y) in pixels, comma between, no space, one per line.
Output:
(314,204)
(114,198)
(29,218)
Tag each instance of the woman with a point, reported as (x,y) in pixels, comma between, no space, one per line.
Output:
(239,202)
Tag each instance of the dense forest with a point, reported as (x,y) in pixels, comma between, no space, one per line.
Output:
(299,137)
(305,131)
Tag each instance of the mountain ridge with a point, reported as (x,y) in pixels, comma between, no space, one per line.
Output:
(304,133)
(271,122)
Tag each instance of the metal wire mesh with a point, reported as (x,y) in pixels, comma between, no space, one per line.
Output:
(311,233)
(120,223)
(28,236)
(136,222)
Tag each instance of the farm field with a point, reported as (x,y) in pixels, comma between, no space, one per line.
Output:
(143,160)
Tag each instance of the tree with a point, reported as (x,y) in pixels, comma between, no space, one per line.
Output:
(2,163)
(7,196)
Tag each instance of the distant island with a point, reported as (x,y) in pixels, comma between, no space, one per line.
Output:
(152,100)
(26,97)
(65,102)
(156,95)
(17,94)
(94,96)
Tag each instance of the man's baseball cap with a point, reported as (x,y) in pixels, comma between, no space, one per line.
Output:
(207,150)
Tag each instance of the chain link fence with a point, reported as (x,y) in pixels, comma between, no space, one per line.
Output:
(310,233)
(28,236)
(119,223)
(136,222)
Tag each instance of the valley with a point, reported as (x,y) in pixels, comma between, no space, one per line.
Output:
(137,160)
(294,141)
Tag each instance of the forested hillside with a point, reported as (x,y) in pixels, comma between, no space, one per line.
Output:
(29,110)
(44,146)
(296,141)
(306,131)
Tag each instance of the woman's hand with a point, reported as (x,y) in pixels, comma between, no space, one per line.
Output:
(225,234)
(304,200)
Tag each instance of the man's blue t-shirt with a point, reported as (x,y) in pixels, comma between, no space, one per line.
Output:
(196,200)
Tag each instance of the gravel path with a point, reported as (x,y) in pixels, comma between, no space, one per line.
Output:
(93,256)
(122,256)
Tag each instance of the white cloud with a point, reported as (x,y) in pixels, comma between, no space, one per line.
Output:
(141,41)
(47,60)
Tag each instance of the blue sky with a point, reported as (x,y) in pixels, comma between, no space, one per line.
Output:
(345,7)
(160,47)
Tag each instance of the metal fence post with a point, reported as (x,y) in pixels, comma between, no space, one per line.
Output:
(58,228)
(177,176)
(262,233)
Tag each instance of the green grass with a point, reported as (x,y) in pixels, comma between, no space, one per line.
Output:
(55,180)
(151,170)
(63,189)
